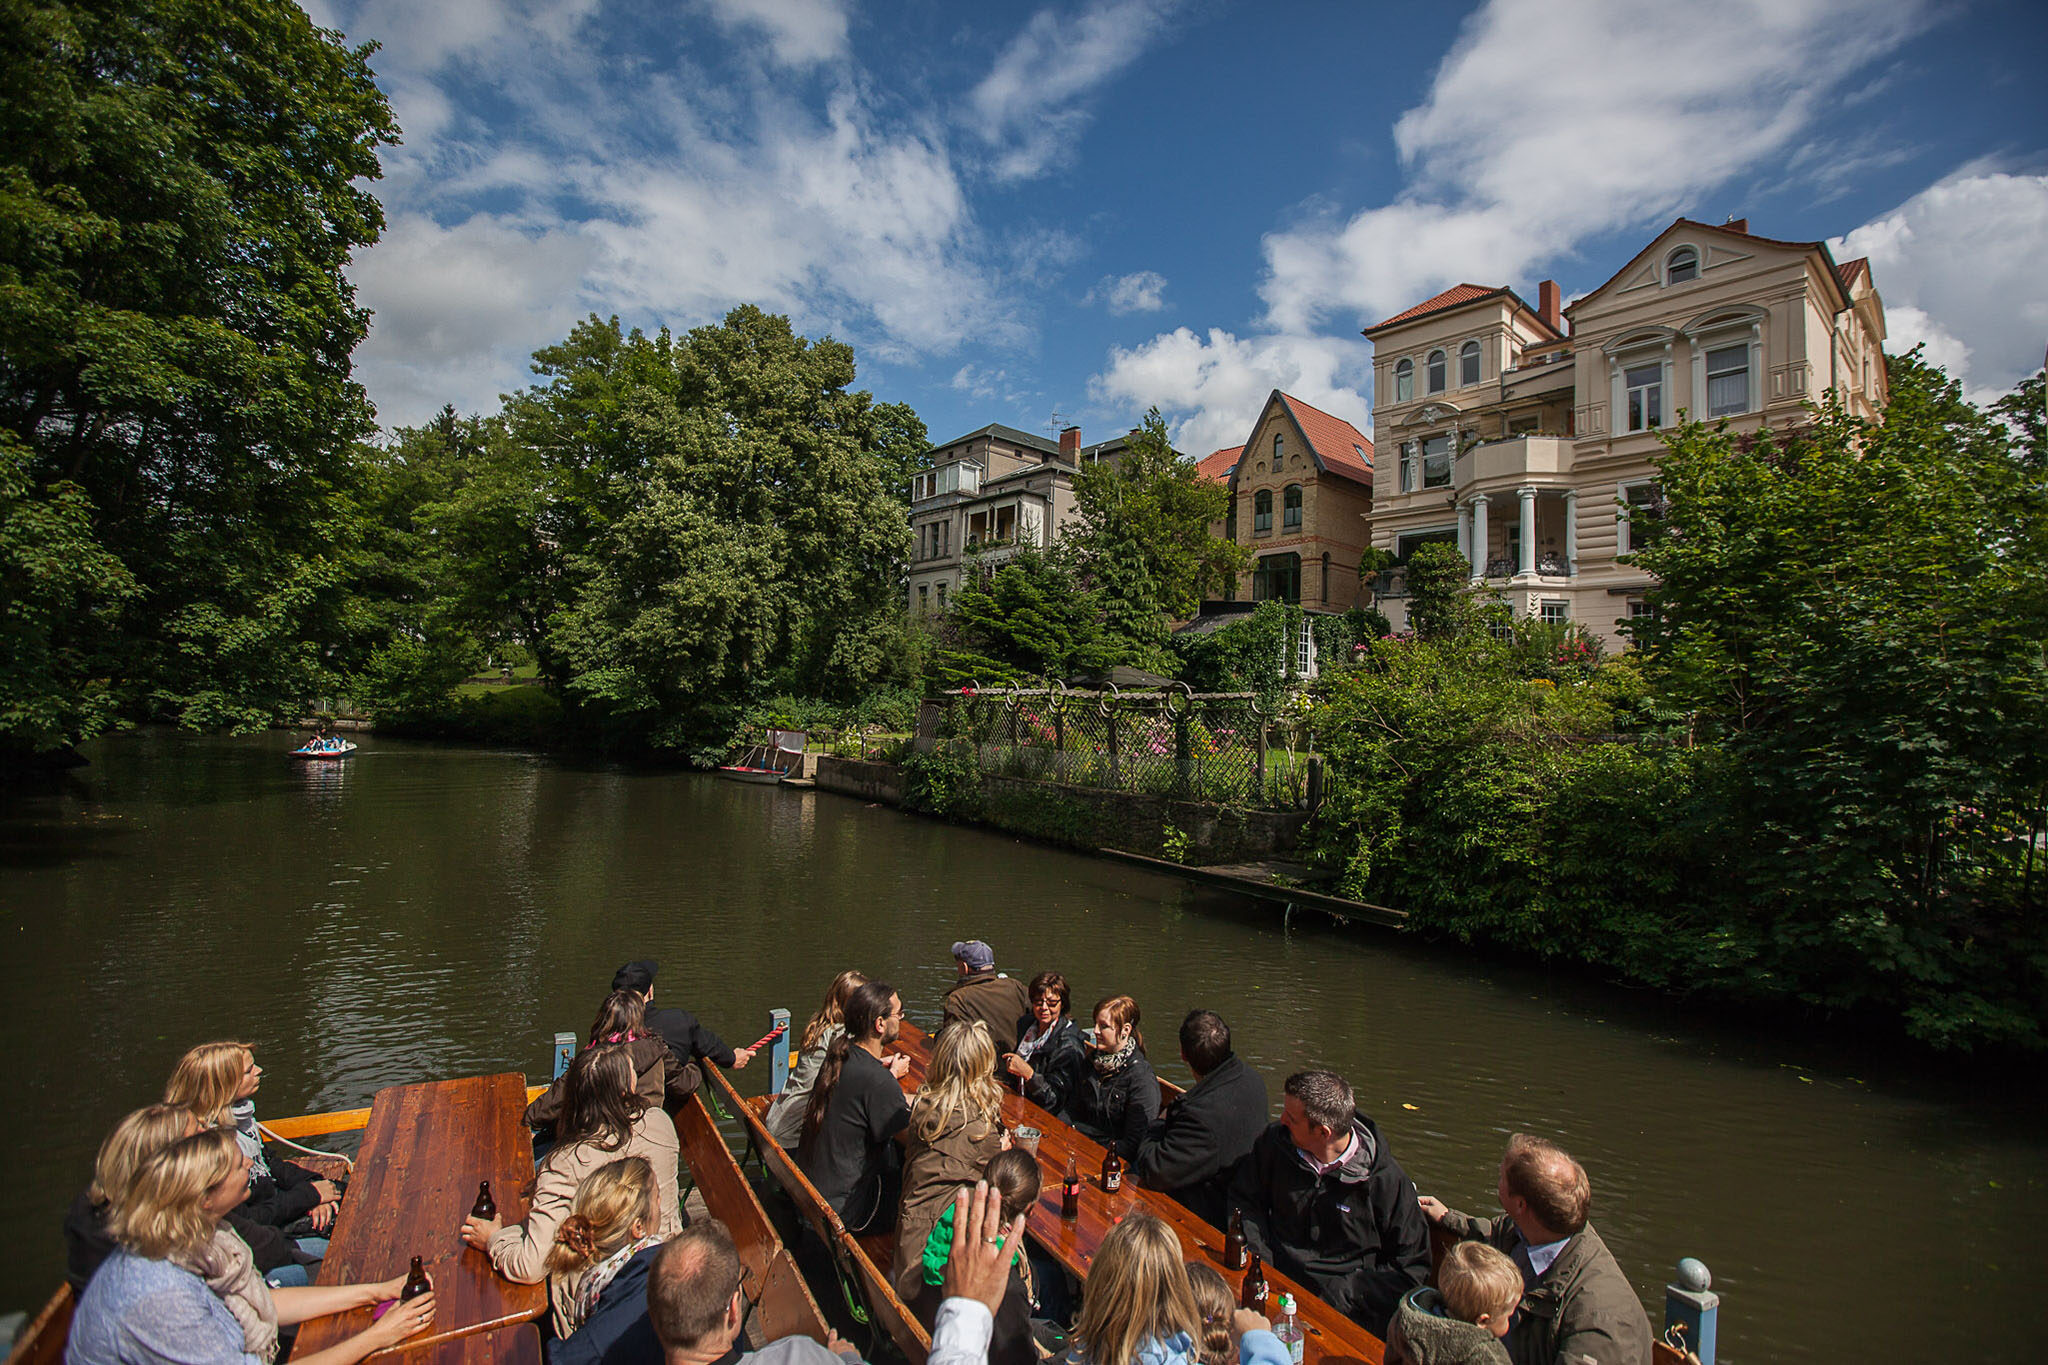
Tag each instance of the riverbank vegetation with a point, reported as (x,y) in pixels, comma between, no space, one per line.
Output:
(1820,778)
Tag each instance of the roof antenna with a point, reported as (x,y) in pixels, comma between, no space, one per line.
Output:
(1058,424)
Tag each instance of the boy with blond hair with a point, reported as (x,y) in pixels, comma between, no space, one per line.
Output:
(1461,1321)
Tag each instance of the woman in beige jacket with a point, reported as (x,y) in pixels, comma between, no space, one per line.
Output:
(956,1126)
(602,1119)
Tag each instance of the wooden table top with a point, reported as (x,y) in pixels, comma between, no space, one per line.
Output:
(423,1154)
(1331,1338)
(518,1344)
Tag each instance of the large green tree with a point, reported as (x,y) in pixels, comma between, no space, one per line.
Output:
(1857,614)
(181,184)
(747,536)
(1142,536)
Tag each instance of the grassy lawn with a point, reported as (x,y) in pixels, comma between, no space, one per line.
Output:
(525,675)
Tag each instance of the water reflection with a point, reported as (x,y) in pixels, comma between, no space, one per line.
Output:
(415,912)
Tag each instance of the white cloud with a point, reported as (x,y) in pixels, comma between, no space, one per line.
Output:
(1958,266)
(1213,387)
(654,194)
(1140,292)
(1680,102)
(977,382)
(458,310)
(800,32)
(1679,105)
(1031,106)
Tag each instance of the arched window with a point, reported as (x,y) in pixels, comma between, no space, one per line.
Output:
(1262,511)
(1468,364)
(1404,380)
(1682,265)
(1290,507)
(1436,371)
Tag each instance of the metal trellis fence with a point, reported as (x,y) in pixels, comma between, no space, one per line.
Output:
(1196,746)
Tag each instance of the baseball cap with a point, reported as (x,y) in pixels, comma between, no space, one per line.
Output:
(976,954)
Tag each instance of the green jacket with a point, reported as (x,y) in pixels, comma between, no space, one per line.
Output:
(1581,1311)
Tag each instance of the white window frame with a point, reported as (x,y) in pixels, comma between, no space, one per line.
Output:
(1652,390)
(1721,331)
(1404,379)
(1437,368)
(1411,466)
(1699,263)
(1470,351)
(1450,463)
(1555,611)
(1623,542)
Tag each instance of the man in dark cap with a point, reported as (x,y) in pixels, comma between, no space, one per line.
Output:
(687,1039)
(986,994)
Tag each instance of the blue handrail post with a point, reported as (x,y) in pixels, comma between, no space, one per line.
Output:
(565,1052)
(1692,1310)
(778,1070)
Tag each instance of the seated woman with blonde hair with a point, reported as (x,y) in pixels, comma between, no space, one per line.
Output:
(603,1118)
(597,1271)
(1139,1309)
(135,1139)
(956,1126)
(786,1116)
(217,1082)
(181,1288)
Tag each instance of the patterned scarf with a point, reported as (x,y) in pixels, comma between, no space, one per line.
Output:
(250,1139)
(602,1274)
(229,1270)
(1109,1063)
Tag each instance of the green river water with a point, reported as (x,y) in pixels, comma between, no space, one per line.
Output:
(417,912)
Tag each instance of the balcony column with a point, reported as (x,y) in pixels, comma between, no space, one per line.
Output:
(1528,564)
(1479,537)
(1465,530)
(1571,532)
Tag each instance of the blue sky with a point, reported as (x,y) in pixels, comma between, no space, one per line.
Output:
(1067,212)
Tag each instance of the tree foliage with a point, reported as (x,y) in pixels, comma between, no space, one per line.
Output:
(181,184)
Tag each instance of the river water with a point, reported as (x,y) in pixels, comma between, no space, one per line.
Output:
(418,912)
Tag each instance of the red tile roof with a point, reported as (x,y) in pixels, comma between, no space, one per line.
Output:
(1339,445)
(1217,467)
(1849,270)
(1450,298)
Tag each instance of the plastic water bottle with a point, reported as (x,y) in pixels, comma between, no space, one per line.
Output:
(1288,1329)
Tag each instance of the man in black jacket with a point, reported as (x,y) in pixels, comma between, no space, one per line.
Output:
(687,1039)
(1325,1202)
(1192,1148)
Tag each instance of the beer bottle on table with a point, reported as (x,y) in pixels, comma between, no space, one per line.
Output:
(486,1207)
(415,1282)
(1070,1189)
(1233,1242)
(1112,1171)
(1255,1286)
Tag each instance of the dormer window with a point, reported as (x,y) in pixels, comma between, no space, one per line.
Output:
(1436,371)
(1682,265)
(1468,364)
(1404,380)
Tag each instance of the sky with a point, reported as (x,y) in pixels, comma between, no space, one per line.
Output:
(1067,212)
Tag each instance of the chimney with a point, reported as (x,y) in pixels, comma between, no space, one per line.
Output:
(1070,445)
(1550,306)
(1737,225)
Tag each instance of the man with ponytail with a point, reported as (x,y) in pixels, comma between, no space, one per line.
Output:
(857,1108)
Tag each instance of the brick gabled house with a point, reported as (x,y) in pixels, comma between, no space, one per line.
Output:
(1301,490)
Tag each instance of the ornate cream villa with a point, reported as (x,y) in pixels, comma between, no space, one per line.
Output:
(992,491)
(1526,435)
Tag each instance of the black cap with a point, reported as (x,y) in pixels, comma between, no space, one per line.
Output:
(634,976)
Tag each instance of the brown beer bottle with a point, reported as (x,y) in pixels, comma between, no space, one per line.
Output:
(1255,1287)
(1233,1242)
(415,1282)
(1070,1189)
(486,1207)
(1112,1171)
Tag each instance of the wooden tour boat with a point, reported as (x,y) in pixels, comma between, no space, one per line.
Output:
(425,1147)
